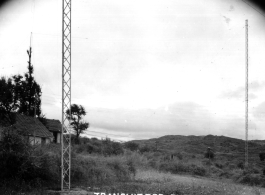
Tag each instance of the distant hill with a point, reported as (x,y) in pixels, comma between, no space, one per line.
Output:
(224,147)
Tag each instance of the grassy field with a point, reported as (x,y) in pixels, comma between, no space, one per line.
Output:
(194,185)
(106,166)
(152,181)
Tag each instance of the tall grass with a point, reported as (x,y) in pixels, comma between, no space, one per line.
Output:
(151,176)
(99,170)
(179,166)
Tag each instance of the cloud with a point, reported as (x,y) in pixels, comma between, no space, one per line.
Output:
(256,85)
(180,118)
(235,127)
(239,93)
(259,111)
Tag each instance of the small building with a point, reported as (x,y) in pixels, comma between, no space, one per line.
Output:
(55,127)
(32,129)
(37,133)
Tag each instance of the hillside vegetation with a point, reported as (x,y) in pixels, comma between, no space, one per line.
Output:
(226,149)
(170,164)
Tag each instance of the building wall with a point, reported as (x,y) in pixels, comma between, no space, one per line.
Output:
(58,138)
(39,140)
(47,141)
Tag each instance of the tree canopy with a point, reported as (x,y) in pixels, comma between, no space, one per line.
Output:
(7,99)
(76,116)
(21,93)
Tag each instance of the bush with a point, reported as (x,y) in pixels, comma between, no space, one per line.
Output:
(131,146)
(175,167)
(120,169)
(49,164)
(219,165)
(105,147)
(22,164)
(98,170)
(180,156)
(182,167)
(252,179)
(15,156)
(131,167)
(197,170)
(90,171)
(240,165)
(147,149)
(226,174)
(138,160)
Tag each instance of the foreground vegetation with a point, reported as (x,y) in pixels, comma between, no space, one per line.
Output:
(104,165)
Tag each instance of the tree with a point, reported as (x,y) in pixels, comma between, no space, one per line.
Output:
(7,100)
(8,104)
(76,116)
(21,94)
(28,91)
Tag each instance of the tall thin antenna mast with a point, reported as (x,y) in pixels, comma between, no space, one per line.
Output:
(30,38)
(66,96)
(246,100)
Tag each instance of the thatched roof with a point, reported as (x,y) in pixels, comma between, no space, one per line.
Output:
(54,125)
(31,126)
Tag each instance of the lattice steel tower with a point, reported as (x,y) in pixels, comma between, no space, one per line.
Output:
(66,96)
(246,100)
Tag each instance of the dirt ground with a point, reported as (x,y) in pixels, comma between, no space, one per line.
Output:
(208,186)
(188,185)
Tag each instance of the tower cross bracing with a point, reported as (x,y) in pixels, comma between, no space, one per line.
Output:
(66,96)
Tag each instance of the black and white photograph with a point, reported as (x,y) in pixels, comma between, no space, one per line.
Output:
(121,97)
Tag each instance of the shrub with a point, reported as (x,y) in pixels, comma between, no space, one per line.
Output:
(90,171)
(131,146)
(22,164)
(197,170)
(105,147)
(252,179)
(147,149)
(183,167)
(49,166)
(131,167)
(240,165)
(154,163)
(120,169)
(180,156)
(15,156)
(98,170)
(174,167)
(232,166)
(214,171)
(219,165)
(226,174)
(89,148)
(208,163)
(138,160)
(117,148)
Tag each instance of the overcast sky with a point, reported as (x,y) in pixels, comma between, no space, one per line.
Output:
(145,68)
